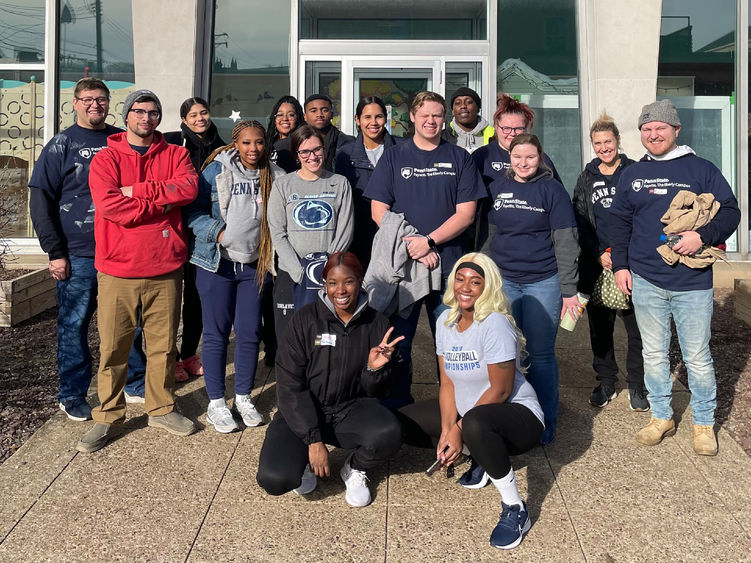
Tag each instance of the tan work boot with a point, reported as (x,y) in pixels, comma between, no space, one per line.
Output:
(657,429)
(705,442)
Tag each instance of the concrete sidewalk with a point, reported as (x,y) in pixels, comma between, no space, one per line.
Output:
(593,495)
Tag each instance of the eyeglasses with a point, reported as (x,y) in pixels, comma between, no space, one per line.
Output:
(289,116)
(516,130)
(101,101)
(305,153)
(153,114)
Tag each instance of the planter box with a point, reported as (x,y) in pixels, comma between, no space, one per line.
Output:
(26,296)
(742,298)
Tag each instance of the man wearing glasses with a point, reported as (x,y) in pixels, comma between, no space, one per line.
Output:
(139,182)
(63,216)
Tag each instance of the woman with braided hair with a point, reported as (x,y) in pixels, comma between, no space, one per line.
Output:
(233,253)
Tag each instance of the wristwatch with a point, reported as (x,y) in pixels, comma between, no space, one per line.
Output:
(431,242)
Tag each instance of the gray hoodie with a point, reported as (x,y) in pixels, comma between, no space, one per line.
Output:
(309,216)
(470,140)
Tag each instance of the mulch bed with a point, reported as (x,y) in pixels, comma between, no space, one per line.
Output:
(28,374)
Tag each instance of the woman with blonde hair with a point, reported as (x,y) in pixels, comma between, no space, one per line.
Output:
(593,196)
(233,254)
(484,402)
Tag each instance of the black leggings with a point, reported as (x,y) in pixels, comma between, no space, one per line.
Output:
(491,432)
(367,427)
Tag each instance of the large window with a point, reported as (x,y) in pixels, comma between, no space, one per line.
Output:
(250,61)
(537,63)
(696,70)
(393,19)
(96,39)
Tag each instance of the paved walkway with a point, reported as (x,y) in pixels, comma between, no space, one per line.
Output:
(594,495)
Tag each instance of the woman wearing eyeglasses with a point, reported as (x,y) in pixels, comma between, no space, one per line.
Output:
(310,217)
(286,116)
(511,118)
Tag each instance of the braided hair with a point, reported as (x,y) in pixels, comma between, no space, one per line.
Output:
(265,249)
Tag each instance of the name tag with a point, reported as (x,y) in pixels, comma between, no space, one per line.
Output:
(326,340)
(660,191)
(165,233)
(505,196)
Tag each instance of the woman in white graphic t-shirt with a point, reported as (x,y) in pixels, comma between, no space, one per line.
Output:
(485,403)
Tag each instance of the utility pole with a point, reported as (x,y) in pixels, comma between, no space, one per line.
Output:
(98,20)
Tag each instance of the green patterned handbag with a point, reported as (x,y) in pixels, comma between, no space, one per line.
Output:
(607,294)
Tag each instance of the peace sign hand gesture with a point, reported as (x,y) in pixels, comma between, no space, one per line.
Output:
(381,354)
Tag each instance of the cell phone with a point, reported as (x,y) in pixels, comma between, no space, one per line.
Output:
(436,465)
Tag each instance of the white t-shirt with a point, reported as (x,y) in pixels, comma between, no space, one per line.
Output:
(466,356)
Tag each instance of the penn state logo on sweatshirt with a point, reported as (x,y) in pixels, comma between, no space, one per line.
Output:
(602,194)
(313,212)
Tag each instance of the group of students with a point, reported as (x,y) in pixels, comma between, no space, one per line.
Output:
(495,319)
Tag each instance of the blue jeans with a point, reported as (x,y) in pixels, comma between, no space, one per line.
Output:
(536,308)
(401,395)
(231,296)
(692,313)
(77,300)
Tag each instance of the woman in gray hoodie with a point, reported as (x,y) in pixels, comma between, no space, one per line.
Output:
(233,253)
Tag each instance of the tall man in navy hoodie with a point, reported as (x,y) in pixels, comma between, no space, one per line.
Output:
(644,192)
(63,216)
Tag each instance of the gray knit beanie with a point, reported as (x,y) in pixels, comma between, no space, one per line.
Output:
(661,110)
(133,96)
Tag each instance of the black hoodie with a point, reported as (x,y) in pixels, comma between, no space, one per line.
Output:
(592,198)
(321,365)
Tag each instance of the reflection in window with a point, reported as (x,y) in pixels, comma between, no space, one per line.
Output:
(325,78)
(96,39)
(537,62)
(21,141)
(251,62)
(393,19)
(22,31)
(697,43)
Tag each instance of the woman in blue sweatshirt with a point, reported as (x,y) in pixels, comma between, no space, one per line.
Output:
(535,247)
(593,198)
(232,250)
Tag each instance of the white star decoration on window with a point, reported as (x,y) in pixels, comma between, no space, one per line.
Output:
(235,116)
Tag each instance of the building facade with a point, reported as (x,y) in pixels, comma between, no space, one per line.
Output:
(569,59)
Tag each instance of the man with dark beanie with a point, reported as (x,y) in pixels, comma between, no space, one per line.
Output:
(468,129)
(660,290)
(138,184)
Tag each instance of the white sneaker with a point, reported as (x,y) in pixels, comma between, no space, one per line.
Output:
(222,419)
(358,493)
(308,482)
(251,417)
(133,399)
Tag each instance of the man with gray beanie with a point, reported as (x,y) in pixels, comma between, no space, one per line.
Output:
(468,129)
(660,290)
(138,183)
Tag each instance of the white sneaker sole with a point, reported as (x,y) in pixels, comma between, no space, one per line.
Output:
(222,429)
(134,399)
(482,483)
(70,416)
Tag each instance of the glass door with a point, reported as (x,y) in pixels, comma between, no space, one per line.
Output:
(396,87)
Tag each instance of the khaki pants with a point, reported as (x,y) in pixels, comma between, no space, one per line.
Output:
(118,302)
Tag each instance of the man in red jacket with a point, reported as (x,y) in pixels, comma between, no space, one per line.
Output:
(138,184)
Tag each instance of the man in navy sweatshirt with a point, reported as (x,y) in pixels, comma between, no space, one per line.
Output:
(63,216)
(644,192)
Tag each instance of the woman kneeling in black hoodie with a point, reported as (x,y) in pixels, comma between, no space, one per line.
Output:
(336,357)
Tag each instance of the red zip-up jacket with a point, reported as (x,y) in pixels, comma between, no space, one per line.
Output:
(135,238)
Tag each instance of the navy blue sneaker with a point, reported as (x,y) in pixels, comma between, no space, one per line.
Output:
(512,526)
(76,408)
(475,477)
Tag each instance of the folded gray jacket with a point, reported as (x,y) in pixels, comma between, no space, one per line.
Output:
(394,281)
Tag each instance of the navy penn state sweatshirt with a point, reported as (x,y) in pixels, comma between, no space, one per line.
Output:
(644,193)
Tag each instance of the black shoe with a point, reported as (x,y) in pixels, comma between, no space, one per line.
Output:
(602,395)
(638,397)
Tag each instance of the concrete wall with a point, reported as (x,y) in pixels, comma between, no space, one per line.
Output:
(164,45)
(619,46)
